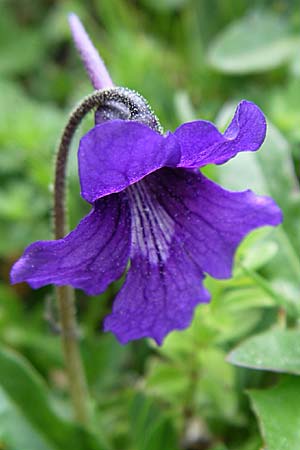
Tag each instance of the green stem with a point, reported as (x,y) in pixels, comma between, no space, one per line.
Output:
(65,294)
(75,371)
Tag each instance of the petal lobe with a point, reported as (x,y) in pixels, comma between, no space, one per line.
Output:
(202,143)
(89,258)
(118,153)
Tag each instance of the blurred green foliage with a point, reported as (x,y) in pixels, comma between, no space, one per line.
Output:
(190,59)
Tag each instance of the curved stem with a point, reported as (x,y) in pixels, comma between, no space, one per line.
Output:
(65,294)
(90,102)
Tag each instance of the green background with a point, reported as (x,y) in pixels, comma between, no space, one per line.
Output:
(230,381)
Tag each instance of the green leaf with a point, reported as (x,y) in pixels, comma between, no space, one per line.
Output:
(278,412)
(27,401)
(275,350)
(256,43)
(151,429)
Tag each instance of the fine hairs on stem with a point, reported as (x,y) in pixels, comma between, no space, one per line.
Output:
(65,294)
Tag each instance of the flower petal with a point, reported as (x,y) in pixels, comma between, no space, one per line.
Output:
(89,258)
(182,225)
(164,283)
(201,142)
(157,298)
(209,220)
(117,153)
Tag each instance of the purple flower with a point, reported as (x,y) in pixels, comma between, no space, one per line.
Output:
(152,207)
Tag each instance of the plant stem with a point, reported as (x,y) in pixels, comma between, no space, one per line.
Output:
(75,371)
(65,294)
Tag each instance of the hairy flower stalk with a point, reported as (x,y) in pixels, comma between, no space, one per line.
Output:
(65,294)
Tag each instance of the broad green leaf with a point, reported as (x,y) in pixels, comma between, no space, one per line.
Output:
(256,43)
(278,412)
(25,389)
(275,350)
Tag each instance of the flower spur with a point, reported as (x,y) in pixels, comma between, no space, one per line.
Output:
(153,207)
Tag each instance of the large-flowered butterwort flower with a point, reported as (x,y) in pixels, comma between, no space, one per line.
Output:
(153,207)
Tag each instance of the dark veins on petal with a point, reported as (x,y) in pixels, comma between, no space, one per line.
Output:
(152,227)
(182,206)
(209,221)
(164,282)
(161,219)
